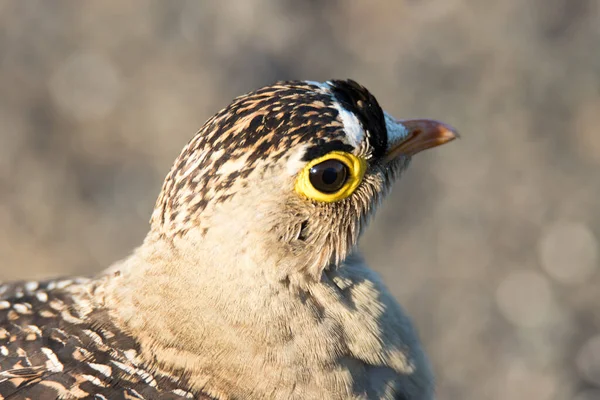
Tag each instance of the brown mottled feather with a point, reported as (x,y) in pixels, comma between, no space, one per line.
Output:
(54,343)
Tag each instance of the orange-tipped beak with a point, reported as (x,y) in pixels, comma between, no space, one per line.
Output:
(417,135)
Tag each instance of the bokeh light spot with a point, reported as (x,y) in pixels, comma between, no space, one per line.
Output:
(568,252)
(525,299)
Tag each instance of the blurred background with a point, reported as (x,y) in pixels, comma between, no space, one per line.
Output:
(491,243)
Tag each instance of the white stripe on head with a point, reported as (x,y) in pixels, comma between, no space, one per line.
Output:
(352,127)
(395,130)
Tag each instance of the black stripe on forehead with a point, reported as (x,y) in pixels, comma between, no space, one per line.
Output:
(359,101)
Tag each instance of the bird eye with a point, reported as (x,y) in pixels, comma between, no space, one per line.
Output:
(328,176)
(332,177)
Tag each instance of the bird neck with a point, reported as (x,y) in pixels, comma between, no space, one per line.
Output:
(220,324)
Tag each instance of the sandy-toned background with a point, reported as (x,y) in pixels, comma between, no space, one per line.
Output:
(491,243)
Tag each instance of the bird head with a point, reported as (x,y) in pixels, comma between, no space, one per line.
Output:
(287,177)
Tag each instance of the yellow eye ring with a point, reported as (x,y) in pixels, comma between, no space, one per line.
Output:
(354,166)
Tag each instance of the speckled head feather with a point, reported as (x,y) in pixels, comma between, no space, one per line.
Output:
(265,125)
(248,155)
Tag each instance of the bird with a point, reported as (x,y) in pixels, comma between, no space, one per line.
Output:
(249,283)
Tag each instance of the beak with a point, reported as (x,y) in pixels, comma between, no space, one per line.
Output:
(417,135)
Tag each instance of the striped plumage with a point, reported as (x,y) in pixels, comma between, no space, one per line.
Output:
(249,284)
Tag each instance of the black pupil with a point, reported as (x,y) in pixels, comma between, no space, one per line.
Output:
(328,176)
